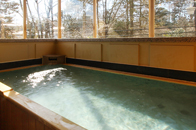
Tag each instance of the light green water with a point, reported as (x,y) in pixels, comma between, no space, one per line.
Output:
(105,101)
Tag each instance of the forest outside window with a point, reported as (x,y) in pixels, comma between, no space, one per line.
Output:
(77,18)
(11,17)
(175,18)
(110,19)
(122,18)
(41,19)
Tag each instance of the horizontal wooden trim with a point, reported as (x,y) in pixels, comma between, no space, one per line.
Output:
(173,39)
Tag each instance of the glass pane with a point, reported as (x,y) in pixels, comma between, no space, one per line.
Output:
(122,18)
(77,18)
(175,18)
(11,19)
(42,18)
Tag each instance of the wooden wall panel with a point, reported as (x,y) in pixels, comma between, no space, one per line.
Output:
(13,52)
(124,54)
(89,51)
(178,57)
(10,52)
(144,53)
(14,118)
(44,49)
(31,50)
(67,49)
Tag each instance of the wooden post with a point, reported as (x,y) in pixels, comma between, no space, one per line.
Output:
(151,17)
(59,18)
(24,19)
(95,19)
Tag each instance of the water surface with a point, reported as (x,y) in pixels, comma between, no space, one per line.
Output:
(105,101)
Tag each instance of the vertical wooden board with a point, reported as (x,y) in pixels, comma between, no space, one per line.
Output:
(3,116)
(25,120)
(31,123)
(94,18)
(16,115)
(59,19)
(39,125)
(151,17)
(19,117)
(10,117)
(24,19)
(1,112)
(47,128)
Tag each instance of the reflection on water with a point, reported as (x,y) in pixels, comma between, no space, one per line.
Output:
(35,78)
(104,101)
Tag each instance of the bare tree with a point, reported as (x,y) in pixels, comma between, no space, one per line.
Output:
(40,28)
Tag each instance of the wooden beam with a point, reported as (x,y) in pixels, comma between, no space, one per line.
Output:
(59,18)
(24,19)
(151,17)
(94,18)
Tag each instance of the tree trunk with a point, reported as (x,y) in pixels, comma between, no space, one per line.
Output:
(140,18)
(32,26)
(52,22)
(106,24)
(39,23)
(84,20)
(127,16)
(131,16)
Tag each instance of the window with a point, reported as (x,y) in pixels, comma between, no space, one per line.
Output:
(42,18)
(122,18)
(11,19)
(175,18)
(77,18)
(115,18)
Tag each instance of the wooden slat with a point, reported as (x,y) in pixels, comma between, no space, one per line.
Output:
(31,123)
(1,110)
(4,112)
(25,120)
(16,114)
(47,128)
(11,119)
(2,120)
(39,125)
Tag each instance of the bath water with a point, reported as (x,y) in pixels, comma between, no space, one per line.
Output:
(99,100)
